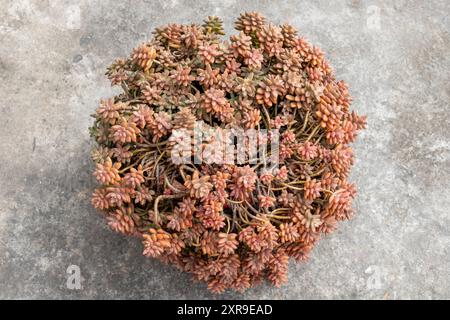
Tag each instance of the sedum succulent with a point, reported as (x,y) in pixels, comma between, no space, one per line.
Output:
(228,224)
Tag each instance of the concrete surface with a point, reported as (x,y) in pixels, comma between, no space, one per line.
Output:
(395,57)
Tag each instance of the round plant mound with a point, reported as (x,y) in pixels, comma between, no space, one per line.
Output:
(225,158)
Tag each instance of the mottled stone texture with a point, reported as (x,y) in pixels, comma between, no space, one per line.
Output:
(395,57)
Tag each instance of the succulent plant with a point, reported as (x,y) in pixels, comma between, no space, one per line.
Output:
(229,224)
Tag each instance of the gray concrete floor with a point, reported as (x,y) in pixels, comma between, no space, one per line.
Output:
(395,57)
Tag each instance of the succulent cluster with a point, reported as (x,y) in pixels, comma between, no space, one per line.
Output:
(230,225)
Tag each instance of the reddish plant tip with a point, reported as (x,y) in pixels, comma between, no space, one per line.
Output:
(229,223)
